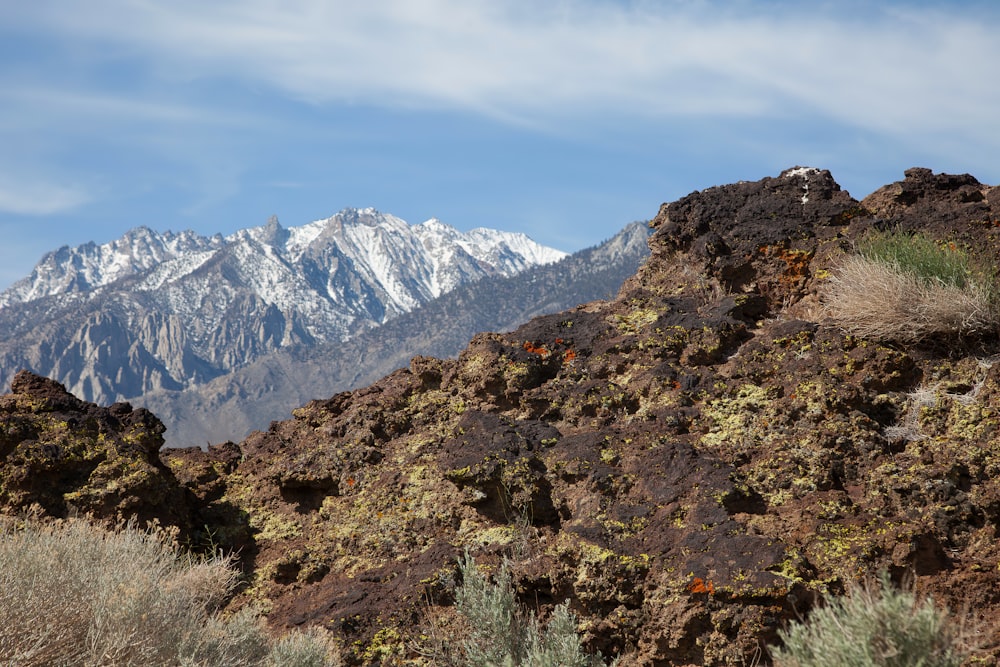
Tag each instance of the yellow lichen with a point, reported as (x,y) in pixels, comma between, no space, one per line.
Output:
(634,321)
(273,526)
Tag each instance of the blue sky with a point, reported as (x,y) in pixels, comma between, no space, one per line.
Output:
(563,119)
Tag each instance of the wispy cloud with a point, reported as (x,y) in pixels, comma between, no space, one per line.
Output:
(21,196)
(87,107)
(888,70)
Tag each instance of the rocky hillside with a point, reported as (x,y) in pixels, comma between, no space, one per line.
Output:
(153,311)
(690,465)
(231,406)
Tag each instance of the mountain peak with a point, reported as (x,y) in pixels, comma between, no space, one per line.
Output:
(368,216)
(436,225)
(184,307)
(270,234)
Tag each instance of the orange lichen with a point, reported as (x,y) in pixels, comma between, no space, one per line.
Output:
(540,350)
(796,264)
(699,585)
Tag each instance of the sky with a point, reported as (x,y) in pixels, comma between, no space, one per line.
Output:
(563,119)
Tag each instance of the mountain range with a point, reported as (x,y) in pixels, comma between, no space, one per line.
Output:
(156,318)
(249,398)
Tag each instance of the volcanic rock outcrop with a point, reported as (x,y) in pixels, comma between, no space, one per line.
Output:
(62,456)
(690,465)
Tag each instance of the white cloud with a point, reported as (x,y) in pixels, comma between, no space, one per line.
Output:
(23,197)
(37,104)
(113,76)
(893,71)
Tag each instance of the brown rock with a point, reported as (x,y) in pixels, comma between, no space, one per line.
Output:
(60,455)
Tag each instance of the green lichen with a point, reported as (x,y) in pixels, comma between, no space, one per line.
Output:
(609,456)
(476,364)
(738,418)
(634,321)
(846,550)
(274,526)
(386,644)
(501,535)
(516,372)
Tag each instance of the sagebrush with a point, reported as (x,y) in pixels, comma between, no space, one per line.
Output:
(76,594)
(874,626)
(499,632)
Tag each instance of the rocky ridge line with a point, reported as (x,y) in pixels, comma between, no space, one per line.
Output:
(690,465)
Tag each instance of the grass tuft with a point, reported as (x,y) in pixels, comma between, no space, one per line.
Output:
(919,256)
(908,289)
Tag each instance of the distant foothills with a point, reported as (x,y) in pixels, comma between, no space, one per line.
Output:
(220,335)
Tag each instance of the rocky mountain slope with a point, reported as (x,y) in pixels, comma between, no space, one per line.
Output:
(690,465)
(229,407)
(169,311)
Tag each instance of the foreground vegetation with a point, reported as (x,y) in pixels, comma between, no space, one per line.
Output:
(881,626)
(909,288)
(502,634)
(76,594)
(872,626)
(72,593)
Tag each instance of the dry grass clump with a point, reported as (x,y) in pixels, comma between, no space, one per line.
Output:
(880,626)
(908,289)
(76,594)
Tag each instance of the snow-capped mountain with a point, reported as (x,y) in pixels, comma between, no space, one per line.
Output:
(166,311)
(90,266)
(229,407)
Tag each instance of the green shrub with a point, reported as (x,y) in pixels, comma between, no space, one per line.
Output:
(908,288)
(497,626)
(76,594)
(919,256)
(888,627)
(501,634)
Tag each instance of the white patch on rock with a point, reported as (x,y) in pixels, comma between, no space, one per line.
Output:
(804,172)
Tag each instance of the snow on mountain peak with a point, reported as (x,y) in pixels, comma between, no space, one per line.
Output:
(357,263)
(156,311)
(435,225)
(91,266)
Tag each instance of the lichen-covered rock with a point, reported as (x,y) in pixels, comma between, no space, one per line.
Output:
(60,456)
(690,465)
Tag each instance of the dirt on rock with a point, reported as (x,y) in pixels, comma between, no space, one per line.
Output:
(691,465)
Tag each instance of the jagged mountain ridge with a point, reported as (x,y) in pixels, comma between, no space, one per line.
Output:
(167,311)
(229,407)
